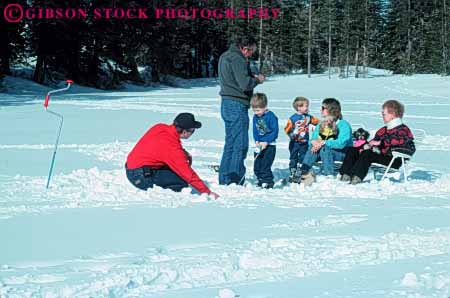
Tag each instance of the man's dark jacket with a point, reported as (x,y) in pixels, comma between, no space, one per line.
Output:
(236,80)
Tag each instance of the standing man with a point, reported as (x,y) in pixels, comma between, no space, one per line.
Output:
(159,158)
(236,88)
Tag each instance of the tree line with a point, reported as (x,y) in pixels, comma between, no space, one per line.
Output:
(310,36)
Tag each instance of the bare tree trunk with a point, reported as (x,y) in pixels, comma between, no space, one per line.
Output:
(409,48)
(366,41)
(205,60)
(39,70)
(156,72)
(340,63)
(231,26)
(260,62)
(299,33)
(347,42)
(248,16)
(329,41)
(94,65)
(281,43)
(357,59)
(309,38)
(281,51)
(199,60)
(195,62)
(342,70)
(271,65)
(266,52)
(365,61)
(347,58)
(444,38)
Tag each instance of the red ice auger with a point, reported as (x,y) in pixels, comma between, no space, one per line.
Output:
(47,99)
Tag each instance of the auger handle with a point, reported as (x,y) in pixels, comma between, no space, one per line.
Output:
(47,97)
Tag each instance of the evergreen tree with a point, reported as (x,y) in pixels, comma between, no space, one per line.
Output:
(405,36)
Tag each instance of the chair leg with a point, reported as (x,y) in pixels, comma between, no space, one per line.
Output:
(388,168)
(405,172)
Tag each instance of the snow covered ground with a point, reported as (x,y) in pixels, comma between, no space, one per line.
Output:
(93,235)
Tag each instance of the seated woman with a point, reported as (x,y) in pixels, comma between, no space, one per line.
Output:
(395,136)
(330,141)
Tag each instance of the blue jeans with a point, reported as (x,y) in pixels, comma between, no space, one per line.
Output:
(235,117)
(328,157)
(164,178)
(263,164)
(297,153)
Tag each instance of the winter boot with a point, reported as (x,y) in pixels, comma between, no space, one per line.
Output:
(356,180)
(308,178)
(292,177)
(346,178)
(268,185)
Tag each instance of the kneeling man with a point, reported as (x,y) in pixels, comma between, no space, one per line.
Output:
(159,159)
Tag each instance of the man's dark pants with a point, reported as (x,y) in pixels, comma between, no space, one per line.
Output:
(358,163)
(144,178)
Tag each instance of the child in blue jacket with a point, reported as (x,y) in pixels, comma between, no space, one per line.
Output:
(265,132)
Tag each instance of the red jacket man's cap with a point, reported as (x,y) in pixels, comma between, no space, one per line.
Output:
(186,121)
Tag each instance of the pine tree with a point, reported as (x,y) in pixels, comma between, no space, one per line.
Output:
(12,42)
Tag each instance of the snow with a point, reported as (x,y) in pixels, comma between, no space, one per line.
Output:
(93,235)
(410,280)
(226,293)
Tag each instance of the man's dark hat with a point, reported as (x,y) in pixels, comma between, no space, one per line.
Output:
(186,121)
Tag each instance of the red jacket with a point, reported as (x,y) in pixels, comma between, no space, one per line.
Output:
(399,138)
(161,146)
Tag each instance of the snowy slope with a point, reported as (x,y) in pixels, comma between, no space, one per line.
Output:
(93,235)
